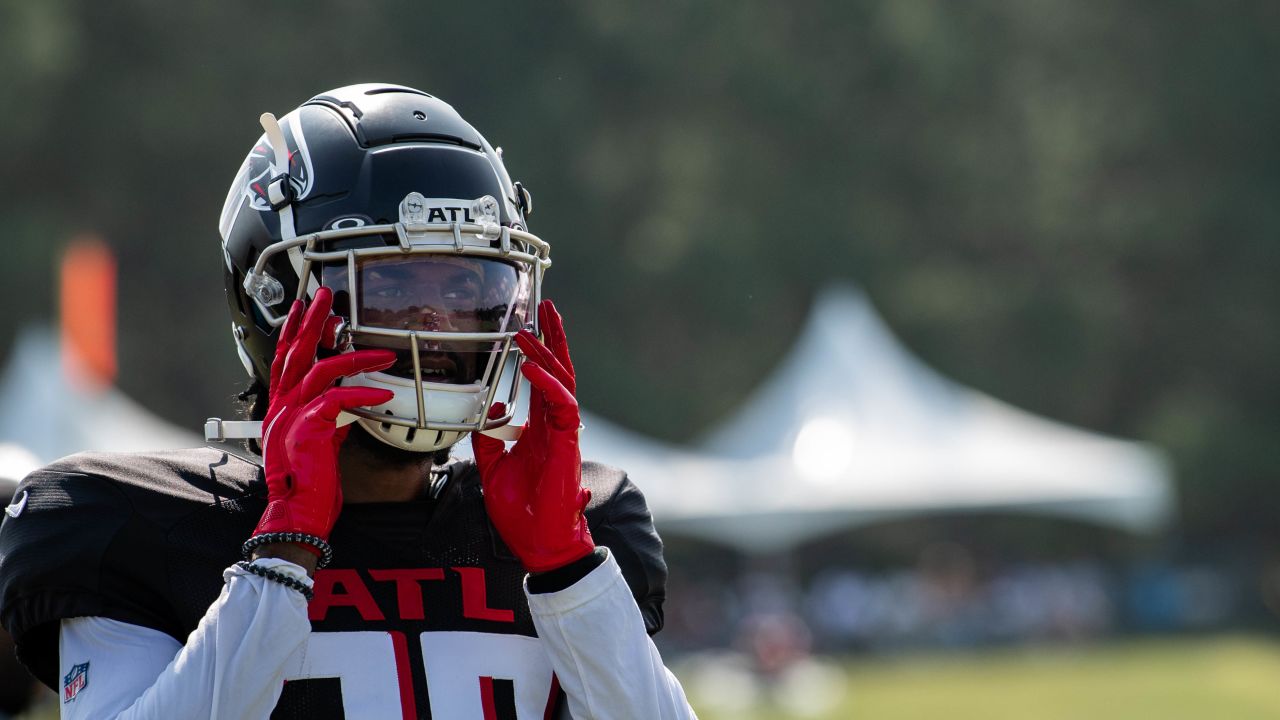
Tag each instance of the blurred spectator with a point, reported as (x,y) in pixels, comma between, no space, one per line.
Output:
(950,598)
(1164,596)
(943,602)
(1269,586)
(775,642)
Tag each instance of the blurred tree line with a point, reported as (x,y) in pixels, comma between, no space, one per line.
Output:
(1069,205)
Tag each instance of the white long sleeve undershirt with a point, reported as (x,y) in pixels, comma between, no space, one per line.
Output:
(232,665)
(606,662)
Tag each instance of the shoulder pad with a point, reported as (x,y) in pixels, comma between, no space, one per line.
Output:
(619,519)
(89,541)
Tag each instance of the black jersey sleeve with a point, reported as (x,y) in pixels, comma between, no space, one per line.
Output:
(96,538)
(619,519)
(60,558)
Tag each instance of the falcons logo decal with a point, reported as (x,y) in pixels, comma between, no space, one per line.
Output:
(261,170)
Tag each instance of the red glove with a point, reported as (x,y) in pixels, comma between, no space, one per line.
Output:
(534,492)
(300,437)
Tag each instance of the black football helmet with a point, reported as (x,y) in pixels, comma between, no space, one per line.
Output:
(385,194)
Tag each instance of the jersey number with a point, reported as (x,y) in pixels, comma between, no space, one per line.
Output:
(480,676)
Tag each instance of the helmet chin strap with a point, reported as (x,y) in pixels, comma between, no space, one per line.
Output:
(217,429)
(509,432)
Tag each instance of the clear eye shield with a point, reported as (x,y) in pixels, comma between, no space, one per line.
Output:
(459,310)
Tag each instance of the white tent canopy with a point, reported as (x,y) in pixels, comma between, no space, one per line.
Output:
(50,417)
(852,429)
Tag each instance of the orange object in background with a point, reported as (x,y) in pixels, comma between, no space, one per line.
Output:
(88,307)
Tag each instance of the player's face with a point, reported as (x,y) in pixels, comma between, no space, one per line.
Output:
(433,294)
(417,294)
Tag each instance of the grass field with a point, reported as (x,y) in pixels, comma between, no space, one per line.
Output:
(1227,678)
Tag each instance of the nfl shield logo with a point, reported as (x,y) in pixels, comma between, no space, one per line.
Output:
(74,682)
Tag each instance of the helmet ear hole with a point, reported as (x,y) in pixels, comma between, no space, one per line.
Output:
(240,299)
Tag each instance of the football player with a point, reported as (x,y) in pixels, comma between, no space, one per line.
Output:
(385,295)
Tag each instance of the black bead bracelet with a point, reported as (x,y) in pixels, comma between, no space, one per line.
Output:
(326,552)
(277,576)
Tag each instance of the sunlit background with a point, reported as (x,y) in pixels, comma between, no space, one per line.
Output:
(941,336)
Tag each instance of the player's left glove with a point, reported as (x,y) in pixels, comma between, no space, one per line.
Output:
(533,493)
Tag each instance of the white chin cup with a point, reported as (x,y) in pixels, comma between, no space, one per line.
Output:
(443,403)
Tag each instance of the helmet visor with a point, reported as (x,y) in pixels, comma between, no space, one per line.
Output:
(448,299)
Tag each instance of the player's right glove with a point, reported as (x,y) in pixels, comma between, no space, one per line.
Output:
(300,436)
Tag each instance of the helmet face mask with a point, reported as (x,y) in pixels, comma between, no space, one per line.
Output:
(440,297)
(419,232)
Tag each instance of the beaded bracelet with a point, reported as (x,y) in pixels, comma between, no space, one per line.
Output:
(326,552)
(276,576)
